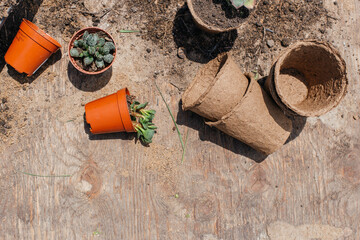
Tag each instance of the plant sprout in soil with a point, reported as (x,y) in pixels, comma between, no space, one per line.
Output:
(93,51)
(239,3)
(142,121)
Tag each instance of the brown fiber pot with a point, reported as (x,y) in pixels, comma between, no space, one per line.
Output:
(256,121)
(78,35)
(308,79)
(217,88)
(204,26)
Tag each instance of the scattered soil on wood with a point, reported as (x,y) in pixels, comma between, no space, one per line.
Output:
(220,13)
(5,117)
(280,22)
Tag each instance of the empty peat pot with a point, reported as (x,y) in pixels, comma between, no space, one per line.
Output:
(109,114)
(256,121)
(217,88)
(308,79)
(30,48)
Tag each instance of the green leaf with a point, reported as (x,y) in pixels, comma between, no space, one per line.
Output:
(99,56)
(141,106)
(148,135)
(239,3)
(101,42)
(152,127)
(88,60)
(99,63)
(92,50)
(250,4)
(76,43)
(91,40)
(110,45)
(84,54)
(85,35)
(74,52)
(105,50)
(80,43)
(108,58)
(95,38)
(128,31)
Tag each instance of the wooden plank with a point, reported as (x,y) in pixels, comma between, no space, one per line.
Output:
(119,189)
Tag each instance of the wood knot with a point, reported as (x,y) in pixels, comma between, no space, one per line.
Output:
(256,181)
(205,207)
(350,166)
(89,180)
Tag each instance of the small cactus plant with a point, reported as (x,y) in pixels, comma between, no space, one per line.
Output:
(142,121)
(239,3)
(92,51)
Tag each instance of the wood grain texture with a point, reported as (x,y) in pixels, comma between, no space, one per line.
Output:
(119,189)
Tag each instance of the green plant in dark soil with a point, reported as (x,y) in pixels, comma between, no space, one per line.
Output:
(94,51)
(239,3)
(142,120)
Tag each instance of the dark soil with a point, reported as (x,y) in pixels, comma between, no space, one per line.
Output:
(285,22)
(220,13)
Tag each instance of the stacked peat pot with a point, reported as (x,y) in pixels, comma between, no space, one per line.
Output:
(237,105)
(307,79)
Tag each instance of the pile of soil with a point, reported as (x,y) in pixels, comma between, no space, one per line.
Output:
(220,13)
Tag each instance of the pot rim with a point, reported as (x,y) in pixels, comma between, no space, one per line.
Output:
(251,78)
(207,27)
(124,110)
(42,33)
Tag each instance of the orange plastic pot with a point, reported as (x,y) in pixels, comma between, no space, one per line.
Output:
(79,35)
(109,114)
(30,48)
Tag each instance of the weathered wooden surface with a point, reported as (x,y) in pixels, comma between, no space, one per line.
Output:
(119,189)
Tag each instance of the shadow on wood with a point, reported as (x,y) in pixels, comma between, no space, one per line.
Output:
(120,135)
(22,78)
(88,83)
(199,46)
(207,133)
(24,9)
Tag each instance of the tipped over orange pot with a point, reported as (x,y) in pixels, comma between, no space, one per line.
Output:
(30,48)
(109,114)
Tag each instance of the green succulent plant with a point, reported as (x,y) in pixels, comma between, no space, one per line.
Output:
(239,3)
(142,121)
(93,50)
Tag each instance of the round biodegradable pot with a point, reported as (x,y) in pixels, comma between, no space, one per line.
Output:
(30,48)
(217,88)
(309,78)
(109,114)
(79,35)
(256,121)
(220,22)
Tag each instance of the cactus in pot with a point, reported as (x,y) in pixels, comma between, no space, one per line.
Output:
(92,51)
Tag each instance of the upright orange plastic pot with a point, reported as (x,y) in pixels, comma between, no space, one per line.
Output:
(109,114)
(30,48)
